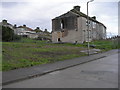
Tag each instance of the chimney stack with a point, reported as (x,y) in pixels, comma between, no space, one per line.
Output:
(15,26)
(24,25)
(77,8)
(94,17)
(37,28)
(4,22)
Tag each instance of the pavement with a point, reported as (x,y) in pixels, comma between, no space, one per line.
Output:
(100,73)
(39,70)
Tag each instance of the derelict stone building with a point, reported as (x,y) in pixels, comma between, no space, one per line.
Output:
(72,27)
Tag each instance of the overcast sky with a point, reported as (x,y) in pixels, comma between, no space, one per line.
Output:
(38,13)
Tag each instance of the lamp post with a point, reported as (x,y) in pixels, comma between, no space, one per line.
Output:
(88,27)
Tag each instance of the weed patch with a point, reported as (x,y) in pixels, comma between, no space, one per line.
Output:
(28,52)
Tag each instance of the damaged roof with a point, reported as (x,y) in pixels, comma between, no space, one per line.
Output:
(77,13)
(84,15)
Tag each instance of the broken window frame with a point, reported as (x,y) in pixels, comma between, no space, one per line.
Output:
(62,24)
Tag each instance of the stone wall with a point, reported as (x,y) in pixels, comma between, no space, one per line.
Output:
(71,28)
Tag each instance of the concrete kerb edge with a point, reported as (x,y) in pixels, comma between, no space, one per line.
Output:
(47,72)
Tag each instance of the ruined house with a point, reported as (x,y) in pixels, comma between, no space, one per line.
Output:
(71,27)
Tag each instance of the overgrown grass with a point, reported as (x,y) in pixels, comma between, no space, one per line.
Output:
(29,52)
(106,45)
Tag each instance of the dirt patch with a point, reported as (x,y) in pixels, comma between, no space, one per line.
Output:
(51,53)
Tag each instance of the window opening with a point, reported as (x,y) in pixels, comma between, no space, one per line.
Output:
(62,24)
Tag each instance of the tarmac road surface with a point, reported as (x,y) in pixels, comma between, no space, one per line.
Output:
(101,73)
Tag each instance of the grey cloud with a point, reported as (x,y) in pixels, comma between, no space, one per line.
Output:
(8,4)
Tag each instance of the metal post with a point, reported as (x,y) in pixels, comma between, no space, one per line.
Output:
(88,27)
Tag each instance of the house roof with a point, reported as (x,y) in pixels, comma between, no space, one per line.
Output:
(1,23)
(26,28)
(39,30)
(78,14)
(84,15)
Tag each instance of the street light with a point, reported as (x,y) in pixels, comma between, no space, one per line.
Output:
(88,26)
(90,0)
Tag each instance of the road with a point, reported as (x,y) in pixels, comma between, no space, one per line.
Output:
(101,73)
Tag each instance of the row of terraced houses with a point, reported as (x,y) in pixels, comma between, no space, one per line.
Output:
(28,32)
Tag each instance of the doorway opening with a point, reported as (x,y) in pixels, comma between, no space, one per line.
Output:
(59,40)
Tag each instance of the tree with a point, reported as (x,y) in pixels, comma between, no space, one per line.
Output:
(8,34)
